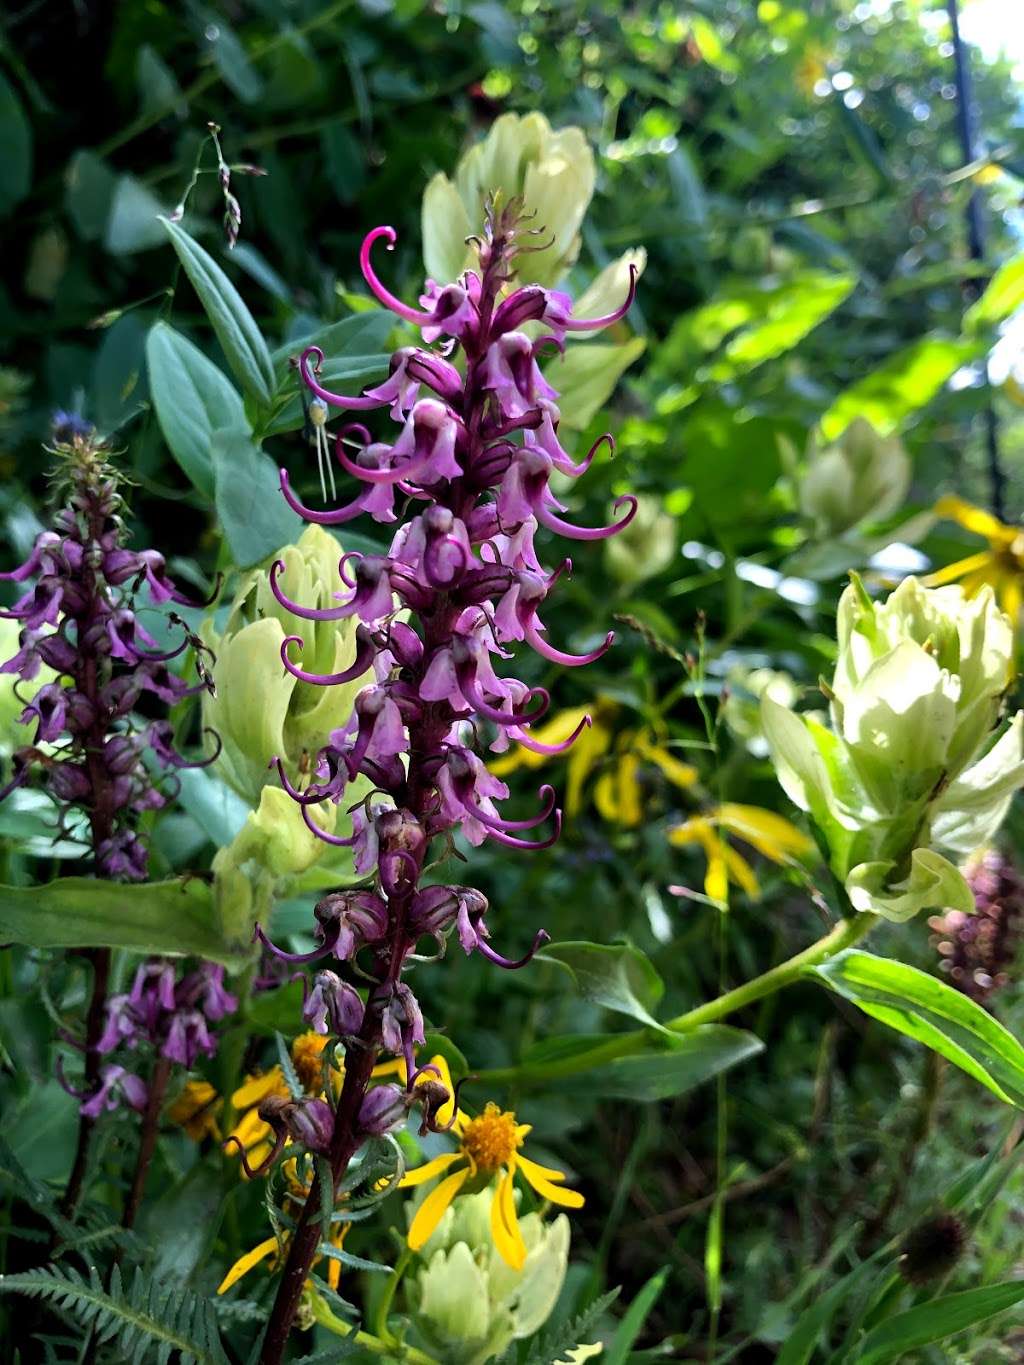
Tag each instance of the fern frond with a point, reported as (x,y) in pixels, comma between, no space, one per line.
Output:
(556,1343)
(171,1320)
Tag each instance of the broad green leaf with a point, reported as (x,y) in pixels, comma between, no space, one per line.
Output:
(16,139)
(253,513)
(182,1223)
(340,373)
(135,219)
(230,57)
(926,1009)
(240,339)
(586,375)
(936,1320)
(906,382)
(617,976)
(785,316)
(89,194)
(220,811)
(173,917)
(193,399)
(159,91)
(1003,296)
(363,333)
(633,1066)
(118,384)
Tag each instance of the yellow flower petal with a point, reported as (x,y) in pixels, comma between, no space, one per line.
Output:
(555,731)
(245,1263)
(983,561)
(973,518)
(716,879)
(257,1088)
(432,1210)
(251,1129)
(505,1225)
(771,834)
(682,774)
(544,1180)
(1011,599)
(740,871)
(419,1174)
(584,755)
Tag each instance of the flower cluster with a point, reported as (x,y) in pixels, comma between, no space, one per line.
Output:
(477,450)
(79,620)
(461,584)
(978,950)
(169,1015)
(909,765)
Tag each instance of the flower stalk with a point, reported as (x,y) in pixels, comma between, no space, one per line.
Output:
(460,584)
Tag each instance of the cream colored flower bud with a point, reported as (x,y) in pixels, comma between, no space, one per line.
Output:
(863,477)
(553,171)
(467,1302)
(262,711)
(909,764)
(645,547)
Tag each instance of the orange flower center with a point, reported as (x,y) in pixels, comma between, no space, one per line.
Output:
(491,1139)
(307,1055)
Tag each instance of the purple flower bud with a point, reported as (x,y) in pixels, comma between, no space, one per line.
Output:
(333,1006)
(305,1120)
(384,1108)
(116,1084)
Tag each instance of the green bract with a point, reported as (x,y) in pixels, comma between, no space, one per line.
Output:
(468,1304)
(261,711)
(907,762)
(863,477)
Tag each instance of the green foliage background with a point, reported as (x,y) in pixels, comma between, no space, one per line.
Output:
(794,173)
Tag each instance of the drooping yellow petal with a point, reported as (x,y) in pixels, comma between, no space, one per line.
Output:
(543,1180)
(771,834)
(716,878)
(432,1210)
(981,562)
(419,1174)
(617,793)
(682,774)
(584,755)
(508,1240)
(555,731)
(739,870)
(245,1263)
(251,1129)
(396,1067)
(691,831)
(1011,598)
(973,518)
(257,1088)
(334,1267)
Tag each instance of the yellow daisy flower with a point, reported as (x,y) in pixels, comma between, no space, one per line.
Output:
(1001,565)
(196,1110)
(488,1144)
(617,792)
(273,1251)
(769,833)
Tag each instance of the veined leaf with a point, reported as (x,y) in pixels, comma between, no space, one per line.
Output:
(617,976)
(192,398)
(252,511)
(240,339)
(936,1320)
(172,917)
(926,1009)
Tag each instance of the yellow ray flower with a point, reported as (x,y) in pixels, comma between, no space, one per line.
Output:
(1001,565)
(196,1110)
(270,1249)
(618,794)
(769,833)
(489,1145)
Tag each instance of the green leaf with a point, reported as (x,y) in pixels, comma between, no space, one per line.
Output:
(230,57)
(240,339)
(90,192)
(617,976)
(174,917)
(586,375)
(799,1345)
(135,219)
(181,1224)
(786,315)
(253,514)
(936,1320)
(1003,296)
(926,1009)
(635,1066)
(632,1323)
(16,137)
(193,399)
(903,384)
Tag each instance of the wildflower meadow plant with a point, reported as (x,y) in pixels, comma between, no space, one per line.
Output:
(462,584)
